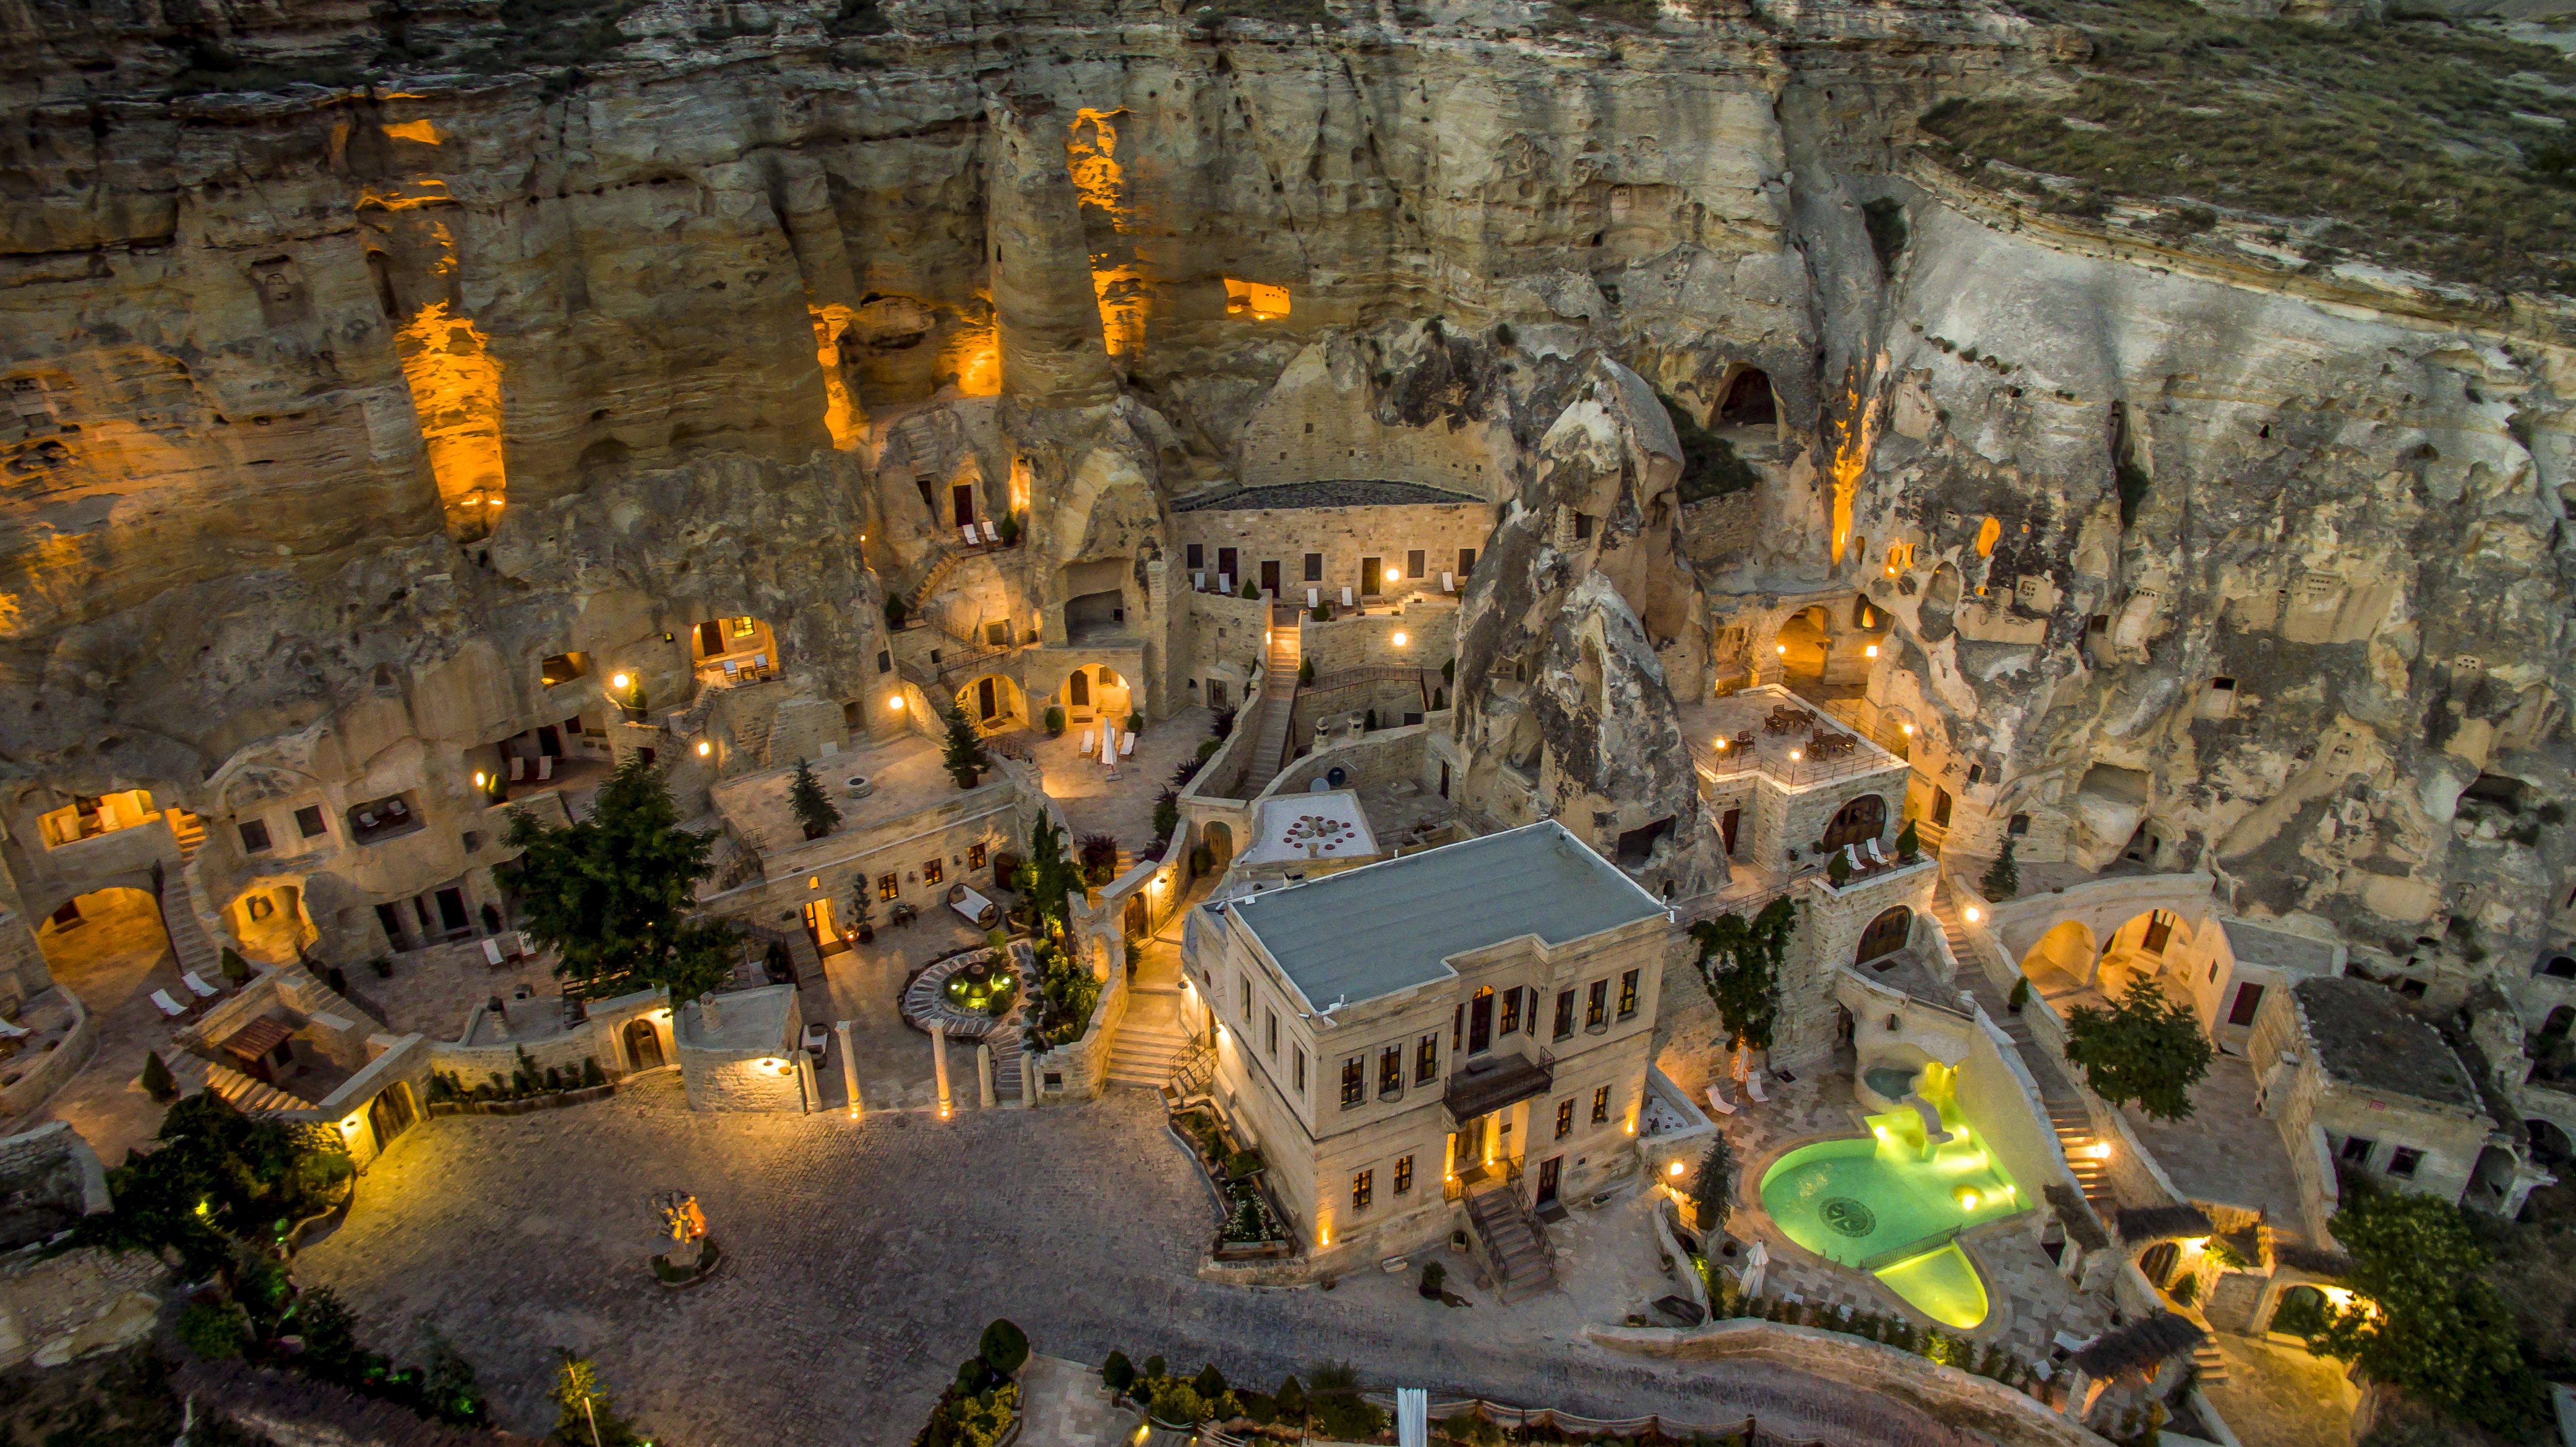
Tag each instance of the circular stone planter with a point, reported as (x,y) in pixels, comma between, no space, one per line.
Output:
(926,999)
(669,1278)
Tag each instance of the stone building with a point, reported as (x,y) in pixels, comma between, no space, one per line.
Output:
(740,1051)
(1457,1035)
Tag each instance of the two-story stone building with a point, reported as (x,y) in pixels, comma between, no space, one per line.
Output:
(1463,1032)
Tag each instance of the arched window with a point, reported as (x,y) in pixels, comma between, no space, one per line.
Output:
(1862,818)
(2302,1311)
(1885,935)
(1748,401)
(2560,967)
(2157,1263)
(2560,1021)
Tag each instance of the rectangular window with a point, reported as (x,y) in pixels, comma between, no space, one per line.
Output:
(885,661)
(1596,1006)
(1403,1174)
(975,856)
(1314,567)
(1363,1190)
(1354,1087)
(1466,563)
(2357,1149)
(1272,1043)
(254,836)
(889,885)
(1512,1011)
(1414,562)
(1243,987)
(2403,1161)
(1426,1059)
(1628,994)
(1390,1072)
(1564,1014)
(1601,1106)
(1565,1117)
(2249,998)
(932,872)
(1198,555)
(309,820)
(1301,1071)
(1582,526)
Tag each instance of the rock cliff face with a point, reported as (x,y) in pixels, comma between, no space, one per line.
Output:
(342,350)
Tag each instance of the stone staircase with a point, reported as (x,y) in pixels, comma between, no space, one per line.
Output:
(2210,1362)
(179,917)
(1514,1243)
(1146,1052)
(2067,1113)
(1278,707)
(195,1073)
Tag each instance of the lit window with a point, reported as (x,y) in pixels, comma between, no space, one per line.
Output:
(1601,1106)
(1354,1086)
(889,885)
(1628,994)
(1426,1059)
(1403,1174)
(1512,1011)
(1565,1117)
(1596,1005)
(1363,1190)
(932,872)
(1258,300)
(1390,1072)
(975,856)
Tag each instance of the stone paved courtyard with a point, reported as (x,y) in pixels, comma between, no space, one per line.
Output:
(864,1257)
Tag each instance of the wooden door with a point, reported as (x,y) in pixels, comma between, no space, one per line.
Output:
(1077,689)
(1548,1172)
(962,498)
(1480,1023)
(1372,575)
(1726,827)
(986,705)
(2159,932)
(1270,577)
(711,638)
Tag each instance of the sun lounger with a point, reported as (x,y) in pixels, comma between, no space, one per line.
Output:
(2071,1343)
(1870,848)
(197,986)
(1346,597)
(1198,581)
(1225,584)
(13,1032)
(967,531)
(1718,1102)
(1127,747)
(1851,857)
(732,671)
(169,1008)
(1448,583)
(1086,742)
(492,953)
(1753,1087)
(1314,598)
(992,534)
(545,767)
(518,769)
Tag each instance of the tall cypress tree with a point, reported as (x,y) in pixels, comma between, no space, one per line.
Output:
(814,808)
(613,893)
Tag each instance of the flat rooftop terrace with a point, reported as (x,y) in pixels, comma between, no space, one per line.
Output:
(1348,493)
(1814,750)
(904,778)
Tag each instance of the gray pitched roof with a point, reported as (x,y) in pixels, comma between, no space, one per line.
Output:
(1384,928)
(2363,1035)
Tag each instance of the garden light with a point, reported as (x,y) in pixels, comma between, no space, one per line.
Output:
(1783,650)
(1966,1196)
(1674,1170)
(705,748)
(480,778)
(1795,755)
(895,704)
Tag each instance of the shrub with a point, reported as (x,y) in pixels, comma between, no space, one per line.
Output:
(1167,813)
(1210,1382)
(1838,869)
(1177,1402)
(1338,1408)
(1321,614)
(2020,995)
(236,969)
(1055,720)
(591,1074)
(2003,877)
(1099,855)
(1118,1372)
(1433,1274)
(1305,671)
(383,965)
(157,1080)
(1290,1401)
(1221,723)
(1154,1365)
(1250,589)
(1005,1348)
(213,1330)
(1009,528)
(1909,844)
(1202,859)
(2186,1290)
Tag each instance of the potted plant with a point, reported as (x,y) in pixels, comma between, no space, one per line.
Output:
(1909,844)
(2019,997)
(1055,721)
(862,911)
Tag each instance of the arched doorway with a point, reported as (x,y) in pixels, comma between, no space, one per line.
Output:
(1749,402)
(391,1113)
(2062,959)
(1136,922)
(269,921)
(1857,821)
(109,947)
(2301,1311)
(643,1044)
(1094,690)
(1219,842)
(2157,1262)
(2559,1023)
(1885,935)
(992,703)
(1805,645)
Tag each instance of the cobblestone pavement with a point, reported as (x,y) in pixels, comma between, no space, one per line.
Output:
(863,1257)
(113,960)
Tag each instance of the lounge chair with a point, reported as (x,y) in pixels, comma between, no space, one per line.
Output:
(979,911)
(760,661)
(1314,599)
(13,1032)
(732,671)
(366,818)
(492,953)
(1851,857)
(1198,581)
(545,767)
(1448,583)
(1871,849)
(518,769)
(1086,742)
(967,531)
(197,985)
(1225,584)
(1346,597)
(1753,1087)
(1718,1102)
(991,533)
(1127,747)
(170,1009)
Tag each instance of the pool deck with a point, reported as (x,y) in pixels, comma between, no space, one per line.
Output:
(2029,1301)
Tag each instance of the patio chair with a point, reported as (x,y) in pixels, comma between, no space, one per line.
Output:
(1852,858)
(366,818)
(1086,742)
(1127,747)
(518,769)
(1871,849)
(991,534)
(197,985)
(967,531)
(514,945)
(760,661)
(1718,1102)
(492,954)
(1753,1087)
(732,671)
(545,767)
(1448,582)
(13,1032)
(1346,597)
(1225,584)
(170,1009)
(1314,599)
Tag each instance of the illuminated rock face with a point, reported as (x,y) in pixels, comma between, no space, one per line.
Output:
(335,414)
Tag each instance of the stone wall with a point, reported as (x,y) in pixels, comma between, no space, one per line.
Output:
(49,1179)
(1367,640)
(1342,536)
(56,1308)
(1317,424)
(764,1075)
(28,1082)
(23,974)
(1830,923)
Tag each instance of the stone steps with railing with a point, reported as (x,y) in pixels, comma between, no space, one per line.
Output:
(1515,1244)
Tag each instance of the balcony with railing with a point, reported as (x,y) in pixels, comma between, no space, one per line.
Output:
(1780,736)
(1498,1082)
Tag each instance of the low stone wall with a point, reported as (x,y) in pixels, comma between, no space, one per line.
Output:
(1083,1064)
(39,1078)
(1944,1394)
(56,1308)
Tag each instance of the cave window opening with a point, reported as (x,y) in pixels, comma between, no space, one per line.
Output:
(1314,567)
(1582,526)
(1749,402)
(2098,623)
(1636,846)
(2020,825)
(1197,554)
(2411,989)
(2560,967)
(1941,808)
(1976,772)
(563,668)
(1987,532)
(929,497)
(2559,1023)
(2498,791)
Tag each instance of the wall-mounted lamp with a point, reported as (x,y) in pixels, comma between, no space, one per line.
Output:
(895,704)
(1870,652)
(1783,650)
(705,748)
(1973,914)
(1399,640)
(618,680)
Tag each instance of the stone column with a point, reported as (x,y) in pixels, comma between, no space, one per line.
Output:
(939,1062)
(984,1077)
(849,1068)
(1028,1081)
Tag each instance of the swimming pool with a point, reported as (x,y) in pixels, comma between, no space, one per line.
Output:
(1885,1204)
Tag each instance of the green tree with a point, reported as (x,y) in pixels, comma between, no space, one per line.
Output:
(1740,962)
(2429,1322)
(583,1413)
(612,893)
(2145,1049)
(2003,877)
(1909,842)
(813,808)
(1713,1189)
(157,1081)
(964,754)
(1047,875)
(219,1176)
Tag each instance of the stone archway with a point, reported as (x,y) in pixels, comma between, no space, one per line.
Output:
(1219,841)
(1886,934)
(993,703)
(1857,821)
(2063,957)
(643,1044)
(109,946)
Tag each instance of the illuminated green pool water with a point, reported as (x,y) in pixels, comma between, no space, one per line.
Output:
(1881,1203)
